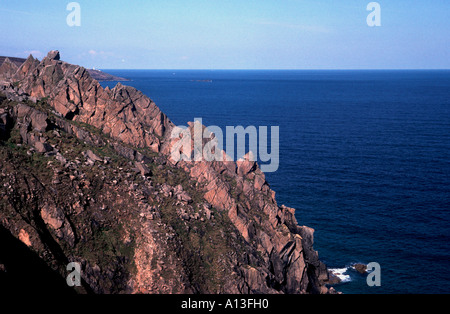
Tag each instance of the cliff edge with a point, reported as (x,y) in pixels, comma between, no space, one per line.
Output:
(86,177)
(95,74)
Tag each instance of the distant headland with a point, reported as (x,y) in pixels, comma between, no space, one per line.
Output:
(95,74)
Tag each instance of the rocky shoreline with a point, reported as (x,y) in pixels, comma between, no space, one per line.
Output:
(339,276)
(86,177)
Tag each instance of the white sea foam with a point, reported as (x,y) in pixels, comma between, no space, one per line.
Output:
(341,273)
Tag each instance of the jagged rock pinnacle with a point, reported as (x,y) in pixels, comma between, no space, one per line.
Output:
(54,55)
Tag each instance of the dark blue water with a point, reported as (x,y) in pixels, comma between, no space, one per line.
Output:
(364,158)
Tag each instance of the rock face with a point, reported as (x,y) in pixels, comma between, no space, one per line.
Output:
(86,177)
(7,69)
(123,112)
(95,74)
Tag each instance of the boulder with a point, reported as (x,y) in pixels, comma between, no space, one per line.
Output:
(184,197)
(124,151)
(360,268)
(52,216)
(92,156)
(333,279)
(42,147)
(208,212)
(37,119)
(143,169)
(54,55)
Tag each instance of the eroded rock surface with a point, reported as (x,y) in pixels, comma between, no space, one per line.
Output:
(86,176)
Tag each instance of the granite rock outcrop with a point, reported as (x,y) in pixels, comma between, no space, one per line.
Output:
(87,177)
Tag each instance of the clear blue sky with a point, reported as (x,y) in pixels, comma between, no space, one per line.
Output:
(231,34)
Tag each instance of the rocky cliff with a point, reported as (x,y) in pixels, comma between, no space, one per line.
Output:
(85,176)
(95,74)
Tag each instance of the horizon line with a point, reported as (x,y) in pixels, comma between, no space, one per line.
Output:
(221,69)
(251,69)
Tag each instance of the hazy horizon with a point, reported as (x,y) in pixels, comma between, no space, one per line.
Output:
(232,35)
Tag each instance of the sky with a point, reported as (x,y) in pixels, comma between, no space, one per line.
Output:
(231,34)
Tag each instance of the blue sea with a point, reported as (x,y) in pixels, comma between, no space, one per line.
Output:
(364,158)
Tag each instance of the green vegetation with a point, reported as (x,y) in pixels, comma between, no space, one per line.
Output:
(107,247)
(204,248)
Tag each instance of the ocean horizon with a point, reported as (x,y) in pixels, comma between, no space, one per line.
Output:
(364,158)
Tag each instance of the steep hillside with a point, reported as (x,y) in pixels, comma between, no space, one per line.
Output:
(86,177)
